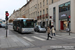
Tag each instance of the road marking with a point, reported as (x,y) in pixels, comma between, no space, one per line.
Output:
(46,37)
(43,36)
(73,37)
(58,35)
(29,39)
(64,37)
(36,33)
(10,29)
(39,38)
(70,37)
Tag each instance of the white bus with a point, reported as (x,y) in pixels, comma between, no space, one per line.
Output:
(23,25)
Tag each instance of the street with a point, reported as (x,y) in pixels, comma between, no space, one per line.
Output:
(37,39)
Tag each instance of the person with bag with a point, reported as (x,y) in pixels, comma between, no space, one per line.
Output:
(53,31)
(48,33)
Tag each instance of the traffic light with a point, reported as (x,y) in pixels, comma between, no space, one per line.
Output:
(69,21)
(50,16)
(67,18)
(7,14)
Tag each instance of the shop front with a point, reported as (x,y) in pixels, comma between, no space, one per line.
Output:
(64,13)
(63,25)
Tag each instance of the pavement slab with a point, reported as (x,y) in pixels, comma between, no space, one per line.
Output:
(12,41)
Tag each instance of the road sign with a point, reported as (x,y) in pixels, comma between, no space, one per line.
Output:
(7,14)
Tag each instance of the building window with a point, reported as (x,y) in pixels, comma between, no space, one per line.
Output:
(43,12)
(34,14)
(64,7)
(47,10)
(40,5)
(52,1)
(38,13)
(47,2)
(35,6)
(54,14)
(43,2)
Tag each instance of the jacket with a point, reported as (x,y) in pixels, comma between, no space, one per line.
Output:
(48,30)
(53,31)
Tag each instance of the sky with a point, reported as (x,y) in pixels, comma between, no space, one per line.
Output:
(10,6)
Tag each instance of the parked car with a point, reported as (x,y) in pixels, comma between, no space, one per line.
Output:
(38,28)
(3,25)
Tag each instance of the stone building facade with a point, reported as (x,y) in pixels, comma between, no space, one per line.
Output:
(36,9)
(60,11)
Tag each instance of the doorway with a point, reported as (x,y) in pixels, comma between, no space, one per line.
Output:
(61,25)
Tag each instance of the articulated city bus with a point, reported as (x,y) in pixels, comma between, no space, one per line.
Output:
(23,25)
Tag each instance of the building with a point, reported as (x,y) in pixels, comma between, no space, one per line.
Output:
(59,11)
(15,14)
(36,9)
(22,12)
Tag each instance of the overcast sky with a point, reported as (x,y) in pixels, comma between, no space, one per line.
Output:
(10,6)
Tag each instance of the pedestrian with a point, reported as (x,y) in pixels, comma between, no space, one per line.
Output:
(48,33)
(53,31)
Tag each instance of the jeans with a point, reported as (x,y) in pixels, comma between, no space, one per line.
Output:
(53,34)
(48,35)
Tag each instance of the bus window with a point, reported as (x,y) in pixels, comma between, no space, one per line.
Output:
(28,23)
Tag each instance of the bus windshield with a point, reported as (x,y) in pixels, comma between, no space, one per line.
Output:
(28,23)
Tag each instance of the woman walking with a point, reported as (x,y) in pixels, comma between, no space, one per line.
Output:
(48,33)
(53,31)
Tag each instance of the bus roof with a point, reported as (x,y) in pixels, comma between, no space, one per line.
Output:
(22,18)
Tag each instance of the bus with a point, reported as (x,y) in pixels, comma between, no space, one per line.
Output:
(23,25)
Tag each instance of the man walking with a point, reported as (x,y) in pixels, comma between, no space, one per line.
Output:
(48,33)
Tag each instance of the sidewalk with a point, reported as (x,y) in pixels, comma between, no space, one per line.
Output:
(64,33)
(12,41)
